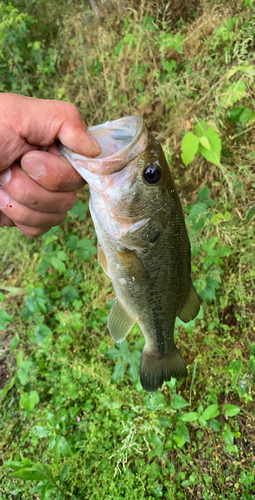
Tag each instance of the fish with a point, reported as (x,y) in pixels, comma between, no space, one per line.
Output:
(143,244)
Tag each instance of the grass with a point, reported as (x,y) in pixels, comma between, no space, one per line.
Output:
(75,422)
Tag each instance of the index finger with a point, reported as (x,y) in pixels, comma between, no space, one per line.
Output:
(51,171)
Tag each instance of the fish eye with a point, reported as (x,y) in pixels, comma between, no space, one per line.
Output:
(152,173)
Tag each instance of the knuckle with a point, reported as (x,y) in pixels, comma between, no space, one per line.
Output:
(72,110)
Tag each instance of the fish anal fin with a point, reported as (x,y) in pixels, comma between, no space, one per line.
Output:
(119,322)
(154,371)
(101,257)
(132,265)
(190,308)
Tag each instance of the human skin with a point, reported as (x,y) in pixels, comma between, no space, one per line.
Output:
(37,184)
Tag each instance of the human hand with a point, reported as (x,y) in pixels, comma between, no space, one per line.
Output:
(37,184)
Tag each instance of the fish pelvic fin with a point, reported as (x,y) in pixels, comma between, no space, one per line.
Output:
(155,371)
(119,322)
(191,307)
(101,257)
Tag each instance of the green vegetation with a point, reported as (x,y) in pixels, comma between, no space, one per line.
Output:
(74,420)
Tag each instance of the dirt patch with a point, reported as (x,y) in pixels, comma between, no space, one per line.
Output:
(4,372)
(5,359)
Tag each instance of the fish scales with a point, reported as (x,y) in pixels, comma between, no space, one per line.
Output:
(143,242)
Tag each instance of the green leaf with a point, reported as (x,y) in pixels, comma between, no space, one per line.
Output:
(42,332)
(47,471)
(85,249)
(189,417)
(179,441)
(202,129)
(155,401)
(62,255)
(204,141)
(234,114)
(79,211)
(40,431)
(19,358)
(233,93)
(189,148)
(51,419)
(231,410)
(246,116)
(134,365)
(196,211)
(119,371)
(30,474)
(44,265)
(130,38)
(228,436)
(250,214)
(207,288)
(5,318)
(132,358)
(244,69)
(72,242)
(113,353)
(215,425)
(8,387)
(61,448)
(23,373)
(18,464)
(14,343)
(179,402)
(203,193)
(69,295)
(183,433)
(63,474)
(37,301)
(58,264)
(29,400)
(210,412)
(166,421)
(118,49)
(46,487)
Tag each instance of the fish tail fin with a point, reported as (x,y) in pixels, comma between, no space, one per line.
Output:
(155,371)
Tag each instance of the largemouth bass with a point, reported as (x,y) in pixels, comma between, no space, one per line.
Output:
(143,245)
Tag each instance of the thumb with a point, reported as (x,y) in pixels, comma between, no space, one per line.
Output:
(41,121)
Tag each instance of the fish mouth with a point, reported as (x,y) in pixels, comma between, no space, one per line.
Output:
(121,142)
(118,135)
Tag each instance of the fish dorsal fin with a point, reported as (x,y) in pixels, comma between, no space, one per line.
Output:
(102,259)
(191,307)
(132,265)
(119,322)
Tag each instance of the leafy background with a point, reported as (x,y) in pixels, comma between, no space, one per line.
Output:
(74,420)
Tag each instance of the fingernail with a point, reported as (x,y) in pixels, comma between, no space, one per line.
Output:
(33,167)
(5,176)
(95,142)
(4,198)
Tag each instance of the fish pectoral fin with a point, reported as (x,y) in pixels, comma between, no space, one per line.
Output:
(119,322)
(154,371)
(191,307)
(132,265)
(101,257)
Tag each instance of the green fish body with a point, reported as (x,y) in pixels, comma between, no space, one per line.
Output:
(143,245)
